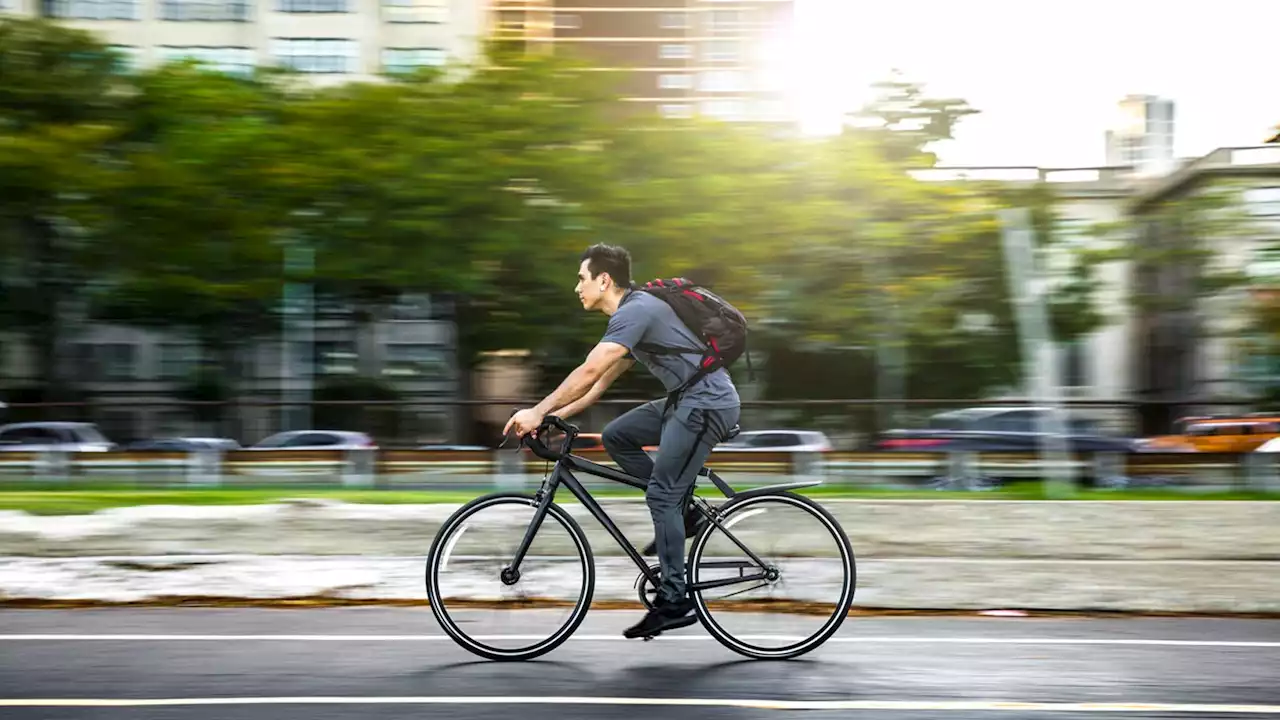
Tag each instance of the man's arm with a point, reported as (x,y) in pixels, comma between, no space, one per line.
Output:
(601,358)
(596,390)
(599,362)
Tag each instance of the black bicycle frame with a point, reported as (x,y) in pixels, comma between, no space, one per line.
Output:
(562,475)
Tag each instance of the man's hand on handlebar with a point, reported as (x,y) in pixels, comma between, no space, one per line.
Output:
(525,422)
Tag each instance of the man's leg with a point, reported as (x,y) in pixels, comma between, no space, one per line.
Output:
(625,437)
(687,440)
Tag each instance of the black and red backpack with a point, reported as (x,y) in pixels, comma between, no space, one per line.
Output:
(721,327)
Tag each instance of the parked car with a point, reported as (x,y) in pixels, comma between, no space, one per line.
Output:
(182,444)
(316,440)
(777,441)
(996,429)
(1220,434)
(68,436)
(1270,446)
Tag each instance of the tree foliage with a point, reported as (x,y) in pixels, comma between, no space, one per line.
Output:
(180,191)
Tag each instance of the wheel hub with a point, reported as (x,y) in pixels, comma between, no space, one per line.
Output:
(510,576)
(771,574)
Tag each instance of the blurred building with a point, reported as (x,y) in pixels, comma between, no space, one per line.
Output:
(1191,341)
(1141,136)
(1094,366)
(1168,338)
(710,58)
(138,380)
(333,40)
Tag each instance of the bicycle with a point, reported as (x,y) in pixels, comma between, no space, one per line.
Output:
(469,588)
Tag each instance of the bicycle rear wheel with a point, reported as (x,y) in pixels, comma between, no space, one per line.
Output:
(808,568)
(497,614)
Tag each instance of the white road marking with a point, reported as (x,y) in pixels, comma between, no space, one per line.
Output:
(618,638)
(760,704)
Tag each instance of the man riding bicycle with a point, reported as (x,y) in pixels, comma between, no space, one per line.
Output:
(686,425)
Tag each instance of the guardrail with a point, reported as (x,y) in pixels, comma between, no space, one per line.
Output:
(409,469)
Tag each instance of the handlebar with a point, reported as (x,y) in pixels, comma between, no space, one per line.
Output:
(540,449)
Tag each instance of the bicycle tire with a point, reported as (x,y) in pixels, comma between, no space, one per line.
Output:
(585,556)
(706,616)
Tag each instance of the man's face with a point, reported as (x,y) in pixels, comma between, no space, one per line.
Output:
(588,288)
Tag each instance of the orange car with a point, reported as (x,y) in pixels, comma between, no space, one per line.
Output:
(1223,434)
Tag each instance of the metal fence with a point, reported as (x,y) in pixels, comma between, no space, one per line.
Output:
(850,424)
(514,468)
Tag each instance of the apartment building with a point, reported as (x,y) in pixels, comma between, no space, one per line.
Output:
(136,376)
(333,40)
(683,58)
(1205,348)
(1149,351)
(1142,135)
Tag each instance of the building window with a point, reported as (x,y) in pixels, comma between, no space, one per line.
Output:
(724,109)
(726,20)
(417,361)
(415,11)
(1075,370)
(675,52)
(116,361)
(675,82)
(91,9)
(406,60)
(673,21)
(178,361)
(316,55)
(567,21)
(204,10)
(335,358)
(234,60)
(723,81)
(676,110)
(1263,201)
(311,6)
(727,51)
(130,57)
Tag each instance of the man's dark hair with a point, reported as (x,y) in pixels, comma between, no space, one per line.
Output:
(612,259)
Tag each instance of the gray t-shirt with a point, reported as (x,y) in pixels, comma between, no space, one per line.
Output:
(644,319)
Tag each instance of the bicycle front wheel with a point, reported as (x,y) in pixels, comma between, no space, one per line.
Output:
(492,611)
(780,553)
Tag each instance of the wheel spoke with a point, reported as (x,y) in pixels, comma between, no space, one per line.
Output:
(819,582)
(473,603)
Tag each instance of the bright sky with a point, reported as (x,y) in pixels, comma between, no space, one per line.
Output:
(1047,75)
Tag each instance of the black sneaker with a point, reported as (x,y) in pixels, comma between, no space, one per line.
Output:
(666,615)
(694,521)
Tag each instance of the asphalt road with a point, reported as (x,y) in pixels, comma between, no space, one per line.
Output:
(385,663)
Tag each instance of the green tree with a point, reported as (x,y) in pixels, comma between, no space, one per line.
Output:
(450,182)
(199,220)
(60,107)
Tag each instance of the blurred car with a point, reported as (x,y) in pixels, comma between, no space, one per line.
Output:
(40,436)
(454,447)
(997,429)
(777,441)
(316,440)
(182,444)
(1220,434)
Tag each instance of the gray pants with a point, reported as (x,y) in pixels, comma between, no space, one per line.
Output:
(685,437)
